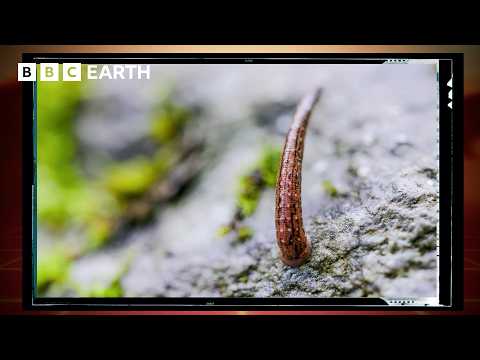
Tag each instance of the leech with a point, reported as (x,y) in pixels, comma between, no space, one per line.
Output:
(295,247)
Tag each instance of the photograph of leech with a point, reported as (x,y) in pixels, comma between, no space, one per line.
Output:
(203,181)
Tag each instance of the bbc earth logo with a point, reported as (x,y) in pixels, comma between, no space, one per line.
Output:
(75,72)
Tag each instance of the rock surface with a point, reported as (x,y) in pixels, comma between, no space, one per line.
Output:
(372,136)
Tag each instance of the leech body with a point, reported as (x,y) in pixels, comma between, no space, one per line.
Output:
(295,247)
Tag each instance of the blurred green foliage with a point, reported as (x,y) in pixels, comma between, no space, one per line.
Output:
(224,230)
(113,290)
(131,177)
(168,122)
(58,177)
(66,198)
(329,188)
(52,266)
(244,233)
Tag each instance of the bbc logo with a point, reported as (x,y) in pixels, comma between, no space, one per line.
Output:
(50,72)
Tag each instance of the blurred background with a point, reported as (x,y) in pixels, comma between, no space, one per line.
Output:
(159,149)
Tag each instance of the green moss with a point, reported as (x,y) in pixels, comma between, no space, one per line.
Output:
(329,188)
(114,290)
(264,174)
(164,160)
(168,122)
(163,129)
(130,178)
(52,267)
(243,275)
(244,233)
(250,187)
(224,230)
(248,195)
(269,165)
(99,232)
(243,279)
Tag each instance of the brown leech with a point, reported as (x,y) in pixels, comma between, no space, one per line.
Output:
(295,247)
